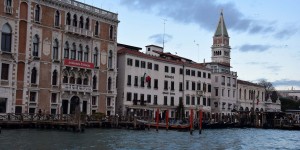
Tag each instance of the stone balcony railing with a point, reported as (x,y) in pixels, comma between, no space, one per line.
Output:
(78,88)
(79,31)
(8,9)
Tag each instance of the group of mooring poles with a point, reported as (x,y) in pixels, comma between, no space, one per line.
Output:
(191,121)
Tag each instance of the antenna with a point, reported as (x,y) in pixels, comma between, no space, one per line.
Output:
(164,33)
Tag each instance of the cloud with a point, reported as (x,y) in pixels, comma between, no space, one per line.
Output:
(286,82)
(204,13)
(158,38)
(254,48)
(274,68)
(285,33)
(256,63)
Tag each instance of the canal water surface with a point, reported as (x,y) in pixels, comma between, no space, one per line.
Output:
(107,139)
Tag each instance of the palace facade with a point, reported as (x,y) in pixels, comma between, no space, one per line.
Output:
(57,55)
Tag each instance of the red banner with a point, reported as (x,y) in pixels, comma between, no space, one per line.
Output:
(76,63)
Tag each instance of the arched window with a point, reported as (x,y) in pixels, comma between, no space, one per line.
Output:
(8,3)
(73,51)
(79,80)
(87,23)
(55,50)
(240,94)
(80,53)
(54,77)
(81,22)
(65,78)
(57,18)
(95,56)
(86,54)
(97,28)
(109,84)
(37,14)
(33,75)
(94,82)
(72,78)
(6,38)
(68,19)
(111,32)
(66,50)
(110,59)
(75,20)
(86,80)
(35,51)
(245,94)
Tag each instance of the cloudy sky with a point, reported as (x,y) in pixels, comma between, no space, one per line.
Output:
(264,35)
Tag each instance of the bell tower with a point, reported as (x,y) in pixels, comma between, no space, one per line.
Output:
(220,50)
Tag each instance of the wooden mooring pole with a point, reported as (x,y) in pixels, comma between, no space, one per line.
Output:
(200,121)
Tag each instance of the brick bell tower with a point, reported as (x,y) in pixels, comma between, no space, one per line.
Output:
(220,50)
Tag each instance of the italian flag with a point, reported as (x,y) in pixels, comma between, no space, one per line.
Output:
(146,78)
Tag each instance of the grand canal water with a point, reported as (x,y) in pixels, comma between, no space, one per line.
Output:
(106,139)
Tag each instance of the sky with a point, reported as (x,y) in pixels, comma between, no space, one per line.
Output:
(264,35)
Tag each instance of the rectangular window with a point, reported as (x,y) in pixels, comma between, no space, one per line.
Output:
(128,96)
(228,94)
(180,86)
(166,85)
(149,83)
(149,65)
(94,100)
(228,81)
(204,74)
(204,101)
(3,104)
(209,88)
(166,69)
(199,73)
(223,80)
(187,85)
(204,87)
(32,97)
(187,100)
(208,75)
(129,61)
(198,86)
(208,102)
(142,82)
(187,72)
(172,85)
(193,100)
(156,67)
(193,86)
(143,64)
(129,80)
(193,73)
(180,71)
(136,81)
(217,91)
(198,100)
(6,42)
(108,101)
(142,99)
(135,98)
(155,100)
(4,71)
(222,92)
(173,70)
(172,101)
(53,97)
(149,99)
(156,83)
(165,100)
(137,63)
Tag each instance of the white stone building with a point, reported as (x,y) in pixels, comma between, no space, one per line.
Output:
(151,80)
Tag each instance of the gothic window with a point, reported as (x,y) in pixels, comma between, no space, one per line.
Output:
(66,50)
(56,18)
(65,78)
(72,78)
(96,56)
(85,80)
(6,38)
(73,51)
(97,28)
(80,53)
(4,71)
(37,14)
(79,81)
(109,84)
(33,75)
(86,54)
(81,22)
(94,82)
(110,59)
(35,51)
(54,78)
(111,32)
(87,23)
(68,19)
(55,50)
(75,20)
(8,3)
(245,94)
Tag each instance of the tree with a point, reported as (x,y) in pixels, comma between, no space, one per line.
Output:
(269,89)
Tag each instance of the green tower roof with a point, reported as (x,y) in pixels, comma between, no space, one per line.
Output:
(221,29)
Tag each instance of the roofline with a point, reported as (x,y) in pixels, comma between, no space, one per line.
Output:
(129,46)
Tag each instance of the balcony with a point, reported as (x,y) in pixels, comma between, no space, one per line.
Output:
(8,9)
(76,88)
(79,31)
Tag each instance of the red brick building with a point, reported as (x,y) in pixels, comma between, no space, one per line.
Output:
(57,55)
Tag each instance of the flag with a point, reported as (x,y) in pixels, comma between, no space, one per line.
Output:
(257,100)
(144,76)
(148,79)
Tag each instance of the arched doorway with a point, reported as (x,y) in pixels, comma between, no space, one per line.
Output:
(75,101)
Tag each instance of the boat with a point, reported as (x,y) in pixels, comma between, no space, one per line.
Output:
(176,125)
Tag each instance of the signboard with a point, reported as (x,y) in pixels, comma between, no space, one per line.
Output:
(76,63)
